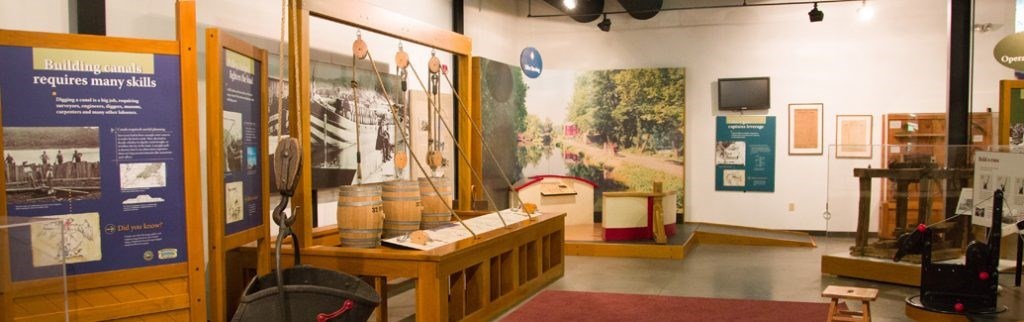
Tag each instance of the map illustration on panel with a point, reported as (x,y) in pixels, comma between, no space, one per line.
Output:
(81,240)
(143,175)
(233,206)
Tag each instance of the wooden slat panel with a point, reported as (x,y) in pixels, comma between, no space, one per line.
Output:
(152,289)
(98,297)
(36,305)
(176,286)
(90,281)
(125,293)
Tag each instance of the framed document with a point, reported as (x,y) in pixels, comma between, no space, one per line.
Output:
(805,125)
(1011,113)
(853,136)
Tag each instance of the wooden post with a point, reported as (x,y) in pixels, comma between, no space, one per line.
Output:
(902,185)
(658,222)
(863,215)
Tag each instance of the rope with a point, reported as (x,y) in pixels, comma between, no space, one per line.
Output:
(458,147)
(487,147)
(280,71)
(394,114)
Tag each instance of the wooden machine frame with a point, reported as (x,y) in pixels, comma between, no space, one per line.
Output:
(173,291)
(473,279)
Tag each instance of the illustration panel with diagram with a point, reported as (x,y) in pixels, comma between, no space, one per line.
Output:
(143,175)
(76,242)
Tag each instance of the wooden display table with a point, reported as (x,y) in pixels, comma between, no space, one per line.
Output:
(473,279)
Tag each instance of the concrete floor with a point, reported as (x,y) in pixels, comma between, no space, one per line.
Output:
(736,272)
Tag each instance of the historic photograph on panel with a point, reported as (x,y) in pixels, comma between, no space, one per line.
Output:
(731,152)
(335,110)
(233,147)
(734,177)
(143,175)
(45,164)
(233,202)
(74,239)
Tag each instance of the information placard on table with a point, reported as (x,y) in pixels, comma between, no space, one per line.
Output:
(94,137)
(455,232)
(998,170)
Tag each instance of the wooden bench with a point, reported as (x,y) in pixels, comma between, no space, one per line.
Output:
(865,295)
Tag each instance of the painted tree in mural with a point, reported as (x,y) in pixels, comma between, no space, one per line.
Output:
(637,109)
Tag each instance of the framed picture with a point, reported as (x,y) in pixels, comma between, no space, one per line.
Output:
(805,125)
(853,136)
(1011,113)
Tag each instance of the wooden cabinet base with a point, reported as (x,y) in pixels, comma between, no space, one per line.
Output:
(470,280)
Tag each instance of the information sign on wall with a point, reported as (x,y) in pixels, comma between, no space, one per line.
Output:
(94,137)
(745,153)
(241,132)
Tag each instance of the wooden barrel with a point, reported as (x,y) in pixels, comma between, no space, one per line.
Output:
(401,208)
(434,211)
(360,215)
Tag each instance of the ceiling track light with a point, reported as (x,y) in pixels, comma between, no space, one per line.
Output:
(816,15)
(605,25)
(569,4)
(865,12)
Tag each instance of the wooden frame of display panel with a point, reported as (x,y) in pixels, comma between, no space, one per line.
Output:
(168,291)
(222,241)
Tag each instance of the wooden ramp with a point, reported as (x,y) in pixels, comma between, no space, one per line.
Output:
(585,240)
(748,236)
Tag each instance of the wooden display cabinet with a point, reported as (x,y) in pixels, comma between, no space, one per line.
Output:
(921,138)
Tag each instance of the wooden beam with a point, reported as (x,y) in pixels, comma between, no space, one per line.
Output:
(186,31)
(361,15)
(298,121)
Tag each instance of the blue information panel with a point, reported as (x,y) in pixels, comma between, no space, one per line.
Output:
(745,153)
(93,137)
(241,101)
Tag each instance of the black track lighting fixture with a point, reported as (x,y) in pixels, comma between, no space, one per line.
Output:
(606,24)
(815,14)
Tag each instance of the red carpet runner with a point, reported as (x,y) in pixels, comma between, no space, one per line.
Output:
(587,306)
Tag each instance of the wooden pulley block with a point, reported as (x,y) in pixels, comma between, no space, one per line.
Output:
(359,49)
(401,59)
(434,64)
(434,160)
(401,160)
(286,164)
(419,237)
(529,208)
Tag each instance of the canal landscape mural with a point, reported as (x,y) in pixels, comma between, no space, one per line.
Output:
(621,129)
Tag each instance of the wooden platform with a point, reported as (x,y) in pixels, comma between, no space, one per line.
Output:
(882,270)
(585,240)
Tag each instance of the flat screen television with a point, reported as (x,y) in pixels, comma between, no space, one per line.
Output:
(748,93)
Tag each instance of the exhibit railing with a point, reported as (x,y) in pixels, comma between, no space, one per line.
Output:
(33,253)
(876,193)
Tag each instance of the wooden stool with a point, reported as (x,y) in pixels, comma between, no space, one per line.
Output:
(865,295)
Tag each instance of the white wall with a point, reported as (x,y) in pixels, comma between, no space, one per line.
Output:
(893,63)
(40,15)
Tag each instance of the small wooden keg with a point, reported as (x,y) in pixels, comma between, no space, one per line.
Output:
(434,211)
(401,208)
(360,215)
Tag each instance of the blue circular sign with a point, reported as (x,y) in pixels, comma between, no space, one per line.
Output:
(530,62)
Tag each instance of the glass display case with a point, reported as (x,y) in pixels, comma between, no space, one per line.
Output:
(33,281)
(893,189)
